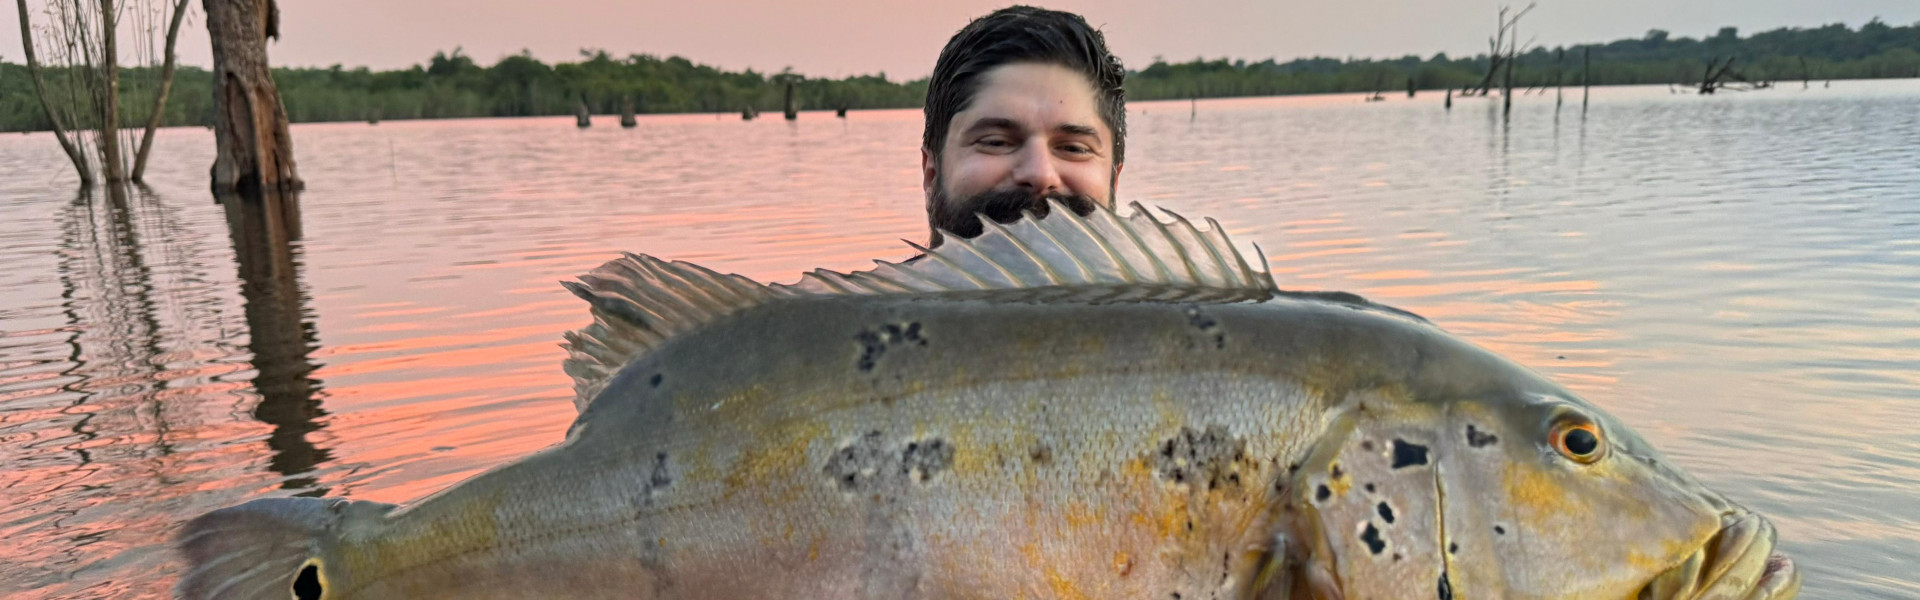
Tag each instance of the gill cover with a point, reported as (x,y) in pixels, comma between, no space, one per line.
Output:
(275,548)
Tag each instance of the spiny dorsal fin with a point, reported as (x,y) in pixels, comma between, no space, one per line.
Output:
(1102,249)
(639,301)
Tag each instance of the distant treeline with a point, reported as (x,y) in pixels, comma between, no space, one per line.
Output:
(452,85)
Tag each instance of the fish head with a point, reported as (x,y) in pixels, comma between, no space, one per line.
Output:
(294,548)
(1519,494)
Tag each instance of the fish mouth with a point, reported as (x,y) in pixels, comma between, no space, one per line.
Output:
(1738,561)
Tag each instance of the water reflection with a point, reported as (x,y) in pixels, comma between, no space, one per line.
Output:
(280,331)
(108,292)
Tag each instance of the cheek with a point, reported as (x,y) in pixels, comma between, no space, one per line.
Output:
(969,173)
(1092,178)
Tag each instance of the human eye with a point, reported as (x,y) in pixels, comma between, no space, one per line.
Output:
(994,143)
(1076,149)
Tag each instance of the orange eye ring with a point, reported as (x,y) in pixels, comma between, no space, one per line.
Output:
(1579,441)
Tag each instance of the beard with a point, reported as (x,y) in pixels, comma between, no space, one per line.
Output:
(1003,206)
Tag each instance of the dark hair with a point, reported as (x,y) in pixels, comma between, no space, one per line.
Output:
(1024,34)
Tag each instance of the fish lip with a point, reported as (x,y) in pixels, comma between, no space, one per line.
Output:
(1738,561)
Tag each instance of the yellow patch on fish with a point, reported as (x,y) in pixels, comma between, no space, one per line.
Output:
(1079,516)
(1537,492)
(784,452)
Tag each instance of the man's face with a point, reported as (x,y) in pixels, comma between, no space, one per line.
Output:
(1032,132)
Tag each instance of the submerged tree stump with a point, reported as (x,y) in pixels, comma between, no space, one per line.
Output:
(626,113)
(252,150)
(792,111)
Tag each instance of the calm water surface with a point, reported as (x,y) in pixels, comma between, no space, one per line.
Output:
(1736,276)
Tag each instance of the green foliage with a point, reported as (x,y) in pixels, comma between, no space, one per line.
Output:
(452,85)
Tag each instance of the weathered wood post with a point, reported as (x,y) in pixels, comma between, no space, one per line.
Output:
(1409,86)
(792,111)
(626,113)
(1559,72)
(252,150)
(582,117)
(1806,81)
(1449,98)
(1586,76)
(1506,87)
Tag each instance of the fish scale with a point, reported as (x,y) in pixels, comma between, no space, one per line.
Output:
(1081,406)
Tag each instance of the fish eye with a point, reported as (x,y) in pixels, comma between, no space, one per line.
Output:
(307,584)
(1578,440)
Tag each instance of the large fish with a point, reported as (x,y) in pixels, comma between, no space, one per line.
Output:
(1071,407)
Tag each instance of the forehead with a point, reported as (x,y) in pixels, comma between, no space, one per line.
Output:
(1037,96)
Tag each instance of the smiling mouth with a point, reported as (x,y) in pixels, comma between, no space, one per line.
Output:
(1739,561)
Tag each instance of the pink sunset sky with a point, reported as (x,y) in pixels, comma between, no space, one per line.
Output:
(902,38)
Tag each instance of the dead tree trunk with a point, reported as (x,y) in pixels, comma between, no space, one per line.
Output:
(1586,77)
(793,112)
(53,117)
(1710,82)
(111,166)
(253,152)
(1499,51)
(626,113)
(1506,88)
(160,97)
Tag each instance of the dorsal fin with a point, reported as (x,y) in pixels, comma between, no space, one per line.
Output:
(639,301)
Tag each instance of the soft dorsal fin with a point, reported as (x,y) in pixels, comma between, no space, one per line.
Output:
(640,302)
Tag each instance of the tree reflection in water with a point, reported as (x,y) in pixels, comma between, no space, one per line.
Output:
(265,233)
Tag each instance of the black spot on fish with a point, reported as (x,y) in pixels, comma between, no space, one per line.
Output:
(1446,587)
(306,585)
(661,477)
(1500,530)
(1040,454)
(1453,548)
(921,460)
(1480,439)
(1396,557)
(1369,488)
(1406,454)
(855,465)
(1386,512)
(1371,536)
(1210,330)
(655,381)
(1366,445)
(1321,494)
(875,342)
(1212,456)
(871,347)
(1335,471)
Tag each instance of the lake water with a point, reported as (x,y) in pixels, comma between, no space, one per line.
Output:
(1736,276)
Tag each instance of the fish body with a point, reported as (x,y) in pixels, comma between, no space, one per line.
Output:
(1098,421)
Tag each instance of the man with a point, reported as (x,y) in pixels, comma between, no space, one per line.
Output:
(1025,105)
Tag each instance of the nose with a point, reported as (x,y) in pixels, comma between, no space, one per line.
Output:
(1035,171)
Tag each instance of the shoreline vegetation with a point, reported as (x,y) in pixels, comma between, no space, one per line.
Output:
(453,85)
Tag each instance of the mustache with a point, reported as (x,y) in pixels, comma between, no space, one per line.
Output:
(1004,207)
